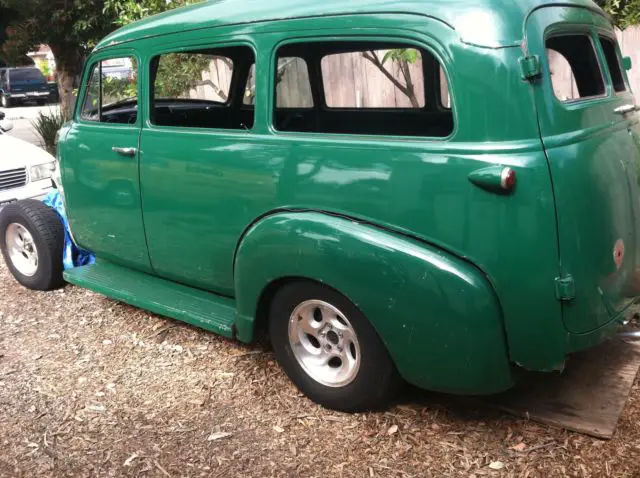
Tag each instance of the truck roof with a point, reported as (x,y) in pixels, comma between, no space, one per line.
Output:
(486,23)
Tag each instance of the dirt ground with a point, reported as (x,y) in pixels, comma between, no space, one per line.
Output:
(91,387)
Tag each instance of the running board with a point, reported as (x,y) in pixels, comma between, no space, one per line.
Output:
(201,309)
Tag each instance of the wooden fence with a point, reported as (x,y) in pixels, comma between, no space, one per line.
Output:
(353,81)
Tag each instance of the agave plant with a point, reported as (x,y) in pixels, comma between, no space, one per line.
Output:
(47,126)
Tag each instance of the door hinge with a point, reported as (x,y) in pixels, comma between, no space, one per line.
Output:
(530,67)
(565,288)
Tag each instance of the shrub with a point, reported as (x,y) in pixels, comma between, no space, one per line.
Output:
(47,126)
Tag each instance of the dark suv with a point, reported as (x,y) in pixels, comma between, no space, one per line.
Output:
(19,85)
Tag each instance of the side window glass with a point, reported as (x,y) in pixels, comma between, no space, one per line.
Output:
(195,76)
(366,88)
(574,68)
(445,95)
(91,104)
(293,88)
(111,95)
(196,89)
(250,88)
(610,49)
(390,78)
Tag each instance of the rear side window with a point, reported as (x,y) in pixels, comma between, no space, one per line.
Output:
(382,78)
(26,75)
(613,62)
(111,95)
(361,88)
(575,70)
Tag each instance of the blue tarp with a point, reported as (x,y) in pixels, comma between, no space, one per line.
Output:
(72,256)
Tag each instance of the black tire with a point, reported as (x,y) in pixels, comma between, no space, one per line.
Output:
(47,231)
(377,379)
(41,102)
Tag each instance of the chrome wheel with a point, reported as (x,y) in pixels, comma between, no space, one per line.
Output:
(324,343)
(22,249)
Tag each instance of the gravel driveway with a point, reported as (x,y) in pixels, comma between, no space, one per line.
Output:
(91,387)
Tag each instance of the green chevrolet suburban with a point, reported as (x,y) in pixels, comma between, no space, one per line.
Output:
(425,191)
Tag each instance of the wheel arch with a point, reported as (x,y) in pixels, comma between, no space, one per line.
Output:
(462,321)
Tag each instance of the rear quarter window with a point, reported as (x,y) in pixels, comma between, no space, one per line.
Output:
(610,49)
(574,67)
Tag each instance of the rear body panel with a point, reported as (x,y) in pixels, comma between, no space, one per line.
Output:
(593,160)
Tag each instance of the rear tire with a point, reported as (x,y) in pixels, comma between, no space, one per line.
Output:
(330,350)
(26,228)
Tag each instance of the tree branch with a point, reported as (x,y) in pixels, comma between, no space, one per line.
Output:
(372,57)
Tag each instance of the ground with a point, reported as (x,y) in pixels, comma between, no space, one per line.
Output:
(92,387)
(22,117)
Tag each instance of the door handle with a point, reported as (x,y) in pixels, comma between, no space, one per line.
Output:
(623,110)
(130,152)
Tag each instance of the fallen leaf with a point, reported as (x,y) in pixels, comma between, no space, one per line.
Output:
(392,430)
(219,436)
(129,460)
(278,429)
(496,465)
(520,447)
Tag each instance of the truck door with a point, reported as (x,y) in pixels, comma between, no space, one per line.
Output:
(100,165)
(588,123)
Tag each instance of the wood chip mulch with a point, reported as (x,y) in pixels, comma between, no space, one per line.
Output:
(91,387)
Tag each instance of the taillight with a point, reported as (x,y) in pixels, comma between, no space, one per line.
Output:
(508,179)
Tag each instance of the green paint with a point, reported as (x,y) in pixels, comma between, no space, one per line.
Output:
(460,282)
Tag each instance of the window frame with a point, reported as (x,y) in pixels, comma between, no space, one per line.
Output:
(183,46)
(565,29)
(603,35)
(88,70)
(391,38)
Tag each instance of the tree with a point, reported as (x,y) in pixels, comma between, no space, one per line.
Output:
(624,12)
(403,58)
(71,28)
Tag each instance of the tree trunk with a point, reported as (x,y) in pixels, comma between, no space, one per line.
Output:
(66,86)
(68,70)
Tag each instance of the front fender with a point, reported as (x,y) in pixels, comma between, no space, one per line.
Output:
(438,315)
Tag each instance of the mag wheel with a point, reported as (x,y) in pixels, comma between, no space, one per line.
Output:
(32,242)
(330,350)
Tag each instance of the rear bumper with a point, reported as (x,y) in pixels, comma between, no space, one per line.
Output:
(36,95)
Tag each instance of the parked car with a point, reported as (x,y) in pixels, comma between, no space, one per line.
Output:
(445,228)
(21,85)
(25,169)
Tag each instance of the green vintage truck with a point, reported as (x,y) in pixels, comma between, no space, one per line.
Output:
(426,191)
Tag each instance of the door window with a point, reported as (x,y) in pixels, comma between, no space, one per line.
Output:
(196,89)
(111,94)
(574,67)
(610,50)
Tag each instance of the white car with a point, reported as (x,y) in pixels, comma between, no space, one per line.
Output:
(26,171)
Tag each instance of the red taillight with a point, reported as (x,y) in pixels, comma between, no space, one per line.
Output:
(508,179)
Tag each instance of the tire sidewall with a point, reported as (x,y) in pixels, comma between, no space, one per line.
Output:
(376,375)
(46,263)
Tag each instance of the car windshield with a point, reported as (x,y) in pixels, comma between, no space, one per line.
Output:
(27,74)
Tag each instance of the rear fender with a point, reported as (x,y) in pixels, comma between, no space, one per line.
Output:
(438,315)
